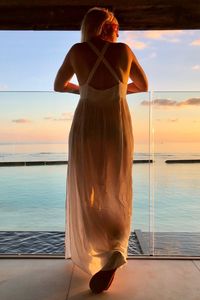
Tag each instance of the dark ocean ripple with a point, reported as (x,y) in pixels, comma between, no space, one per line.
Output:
(45,242)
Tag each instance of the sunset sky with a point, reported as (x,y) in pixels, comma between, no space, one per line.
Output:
(29,61)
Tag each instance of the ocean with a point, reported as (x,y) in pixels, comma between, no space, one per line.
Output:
(166,197)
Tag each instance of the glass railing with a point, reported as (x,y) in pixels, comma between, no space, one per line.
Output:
(166,172)
(176,173)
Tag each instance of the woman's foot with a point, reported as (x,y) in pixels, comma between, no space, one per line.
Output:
(102,280)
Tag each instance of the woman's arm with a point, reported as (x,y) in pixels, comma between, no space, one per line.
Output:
(65,73)
(138,76)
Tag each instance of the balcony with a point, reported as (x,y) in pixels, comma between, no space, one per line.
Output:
(166,174)
(164,245)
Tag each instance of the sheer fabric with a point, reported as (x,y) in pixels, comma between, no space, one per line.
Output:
(99,176)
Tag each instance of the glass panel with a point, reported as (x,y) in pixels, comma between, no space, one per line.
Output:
(176,125)
(35,128)
(141,217)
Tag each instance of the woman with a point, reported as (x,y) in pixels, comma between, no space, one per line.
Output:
(99,179)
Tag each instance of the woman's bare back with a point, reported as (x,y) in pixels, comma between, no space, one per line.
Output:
(83,59)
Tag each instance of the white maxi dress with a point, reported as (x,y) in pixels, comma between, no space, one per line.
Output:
(99,176)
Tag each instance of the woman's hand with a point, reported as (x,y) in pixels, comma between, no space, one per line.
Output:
(70,87)
(132,88)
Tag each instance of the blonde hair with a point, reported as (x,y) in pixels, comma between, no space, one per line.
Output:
(93,22)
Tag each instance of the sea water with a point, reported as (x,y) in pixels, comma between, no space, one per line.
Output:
(166,197)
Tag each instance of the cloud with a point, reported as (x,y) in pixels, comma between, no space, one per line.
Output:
(168,120)
(159,102)
(172,120)
(141,39)
(66,116)
(22,121)
(195,43)
(139,45)
(3,87)
(172,103)
(164,35)
(135,44)
(169,35)
(191,101)
(48,118)
(60,119)
(196,68)
(133,40)
(55,119)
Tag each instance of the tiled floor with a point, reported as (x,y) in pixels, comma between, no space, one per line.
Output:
(59,279)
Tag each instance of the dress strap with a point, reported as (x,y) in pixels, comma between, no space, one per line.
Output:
(101,58)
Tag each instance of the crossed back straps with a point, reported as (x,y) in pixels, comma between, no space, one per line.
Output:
(98,61)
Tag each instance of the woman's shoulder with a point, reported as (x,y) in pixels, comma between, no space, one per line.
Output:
(124,46)
(125,49)
(76,49)
(75,46)
(119,47)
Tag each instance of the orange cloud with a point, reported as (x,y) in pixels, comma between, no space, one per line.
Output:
(166,35)
(60,119)
(66,116)
(172,120)
(159,102)
(168,120)
(48,118)
(21,121)
(138,45)
(132,39)
(195,43)
(172,103)
(196,68)
(191,101)
(135,44)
